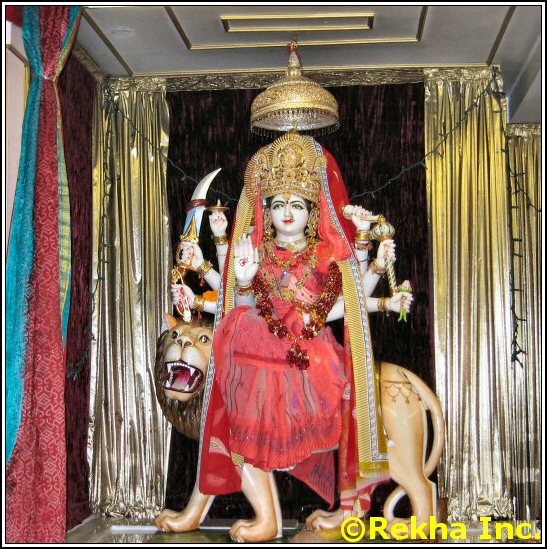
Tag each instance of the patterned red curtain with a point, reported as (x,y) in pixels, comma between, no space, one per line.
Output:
(37,305)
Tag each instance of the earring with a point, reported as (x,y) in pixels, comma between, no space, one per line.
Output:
(313,224)
(268,228)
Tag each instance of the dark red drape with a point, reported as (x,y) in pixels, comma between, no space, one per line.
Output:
(382,129)
(15,15)
(76,89)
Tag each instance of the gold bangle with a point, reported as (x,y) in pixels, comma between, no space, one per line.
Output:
(204,268)
(244,290)
(363,236)
(220,240)
(362,246)
(377,269)
(383,305)
(199,303)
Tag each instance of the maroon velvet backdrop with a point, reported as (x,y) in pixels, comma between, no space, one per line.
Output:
(382,130)
(77,88)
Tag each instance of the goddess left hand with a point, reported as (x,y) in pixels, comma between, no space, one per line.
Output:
(402,300)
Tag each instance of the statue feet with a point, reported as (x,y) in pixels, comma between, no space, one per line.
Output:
(327,520)
(172,521)
(256,530)
(190,518)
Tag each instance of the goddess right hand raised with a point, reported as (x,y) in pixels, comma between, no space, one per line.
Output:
(246,261)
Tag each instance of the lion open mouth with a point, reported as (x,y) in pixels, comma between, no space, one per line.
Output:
(182,377)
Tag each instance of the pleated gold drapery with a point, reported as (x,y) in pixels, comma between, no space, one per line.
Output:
(524,146)
(469,223)
(128,443)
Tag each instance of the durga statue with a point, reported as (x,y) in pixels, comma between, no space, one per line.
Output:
(281,393)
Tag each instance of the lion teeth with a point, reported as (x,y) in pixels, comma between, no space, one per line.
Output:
(174,368)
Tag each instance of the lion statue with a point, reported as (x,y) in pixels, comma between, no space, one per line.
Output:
(182,359)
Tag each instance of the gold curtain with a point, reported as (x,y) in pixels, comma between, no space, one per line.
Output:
(468,216)
(524,146)
(128,443)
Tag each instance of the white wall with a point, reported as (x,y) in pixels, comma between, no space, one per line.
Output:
(15,97)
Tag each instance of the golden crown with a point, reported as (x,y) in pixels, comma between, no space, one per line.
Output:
(289,164)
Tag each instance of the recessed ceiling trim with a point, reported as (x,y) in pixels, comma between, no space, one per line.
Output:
(283,43)
(343,15)
(300,28)
(178,27)
(421,23)
(107,42)
(228,20)
(501,33)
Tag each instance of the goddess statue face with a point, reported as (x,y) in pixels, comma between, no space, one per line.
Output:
(289,215)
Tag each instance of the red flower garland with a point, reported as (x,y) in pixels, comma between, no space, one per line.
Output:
(295,355)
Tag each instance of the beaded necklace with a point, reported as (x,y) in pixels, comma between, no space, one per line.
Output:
(296,356)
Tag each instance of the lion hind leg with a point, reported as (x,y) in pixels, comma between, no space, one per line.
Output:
(405,423)
(321,520)
(431,403)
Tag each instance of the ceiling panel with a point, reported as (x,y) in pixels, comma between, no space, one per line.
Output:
(99,51)
(518,42)
(183,39)
(144,36)
(389,24)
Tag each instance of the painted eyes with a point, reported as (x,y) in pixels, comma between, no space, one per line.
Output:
(295,205)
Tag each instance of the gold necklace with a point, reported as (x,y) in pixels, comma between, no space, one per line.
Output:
(292,261)
(292,246)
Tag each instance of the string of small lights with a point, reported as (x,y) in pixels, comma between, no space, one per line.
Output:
(514,187)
